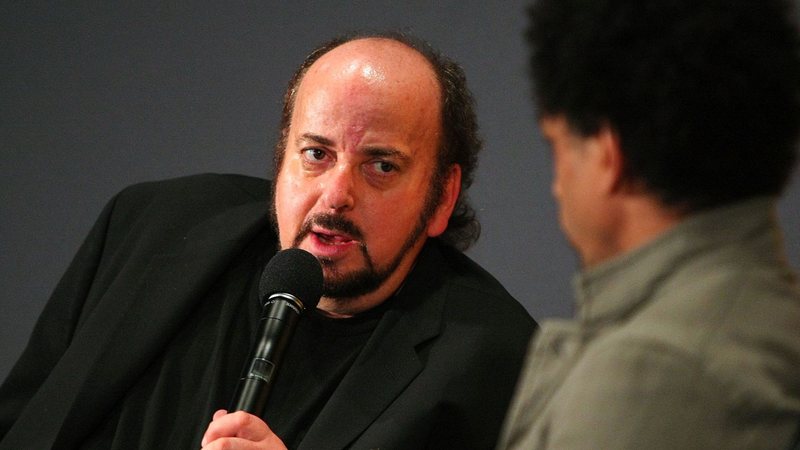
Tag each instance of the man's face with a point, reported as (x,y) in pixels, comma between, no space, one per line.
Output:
(357,170)
(578,187)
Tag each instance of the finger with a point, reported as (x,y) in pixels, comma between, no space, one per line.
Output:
(248,426)
(210,435)
(231,443)
(238,424)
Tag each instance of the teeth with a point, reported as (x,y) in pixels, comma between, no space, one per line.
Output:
(333,239)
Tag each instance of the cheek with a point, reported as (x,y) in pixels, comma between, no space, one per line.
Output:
(291,202)
(389,216)
(557,185)
(562,189)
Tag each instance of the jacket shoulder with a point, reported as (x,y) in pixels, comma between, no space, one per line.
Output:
(190,198)
(210,186)
(480,294)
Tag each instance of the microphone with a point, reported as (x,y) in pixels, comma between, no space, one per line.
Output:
(291,283)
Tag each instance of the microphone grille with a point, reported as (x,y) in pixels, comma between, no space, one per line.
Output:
(292,271)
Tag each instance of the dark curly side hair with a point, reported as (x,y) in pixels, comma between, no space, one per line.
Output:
(704,94)
(460,142)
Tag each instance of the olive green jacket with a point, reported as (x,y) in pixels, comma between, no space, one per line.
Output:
(692,341)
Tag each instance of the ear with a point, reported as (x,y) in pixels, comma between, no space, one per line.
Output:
(611,162)
(452,187)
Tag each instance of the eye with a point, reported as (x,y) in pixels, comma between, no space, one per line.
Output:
(314,154)
(383,167)
(316,160)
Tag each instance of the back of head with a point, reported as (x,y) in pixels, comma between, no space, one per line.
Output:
(703,94)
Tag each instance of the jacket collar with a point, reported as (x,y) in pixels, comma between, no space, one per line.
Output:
(613,289)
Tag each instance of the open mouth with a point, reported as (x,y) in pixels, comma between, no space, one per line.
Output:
(333,239)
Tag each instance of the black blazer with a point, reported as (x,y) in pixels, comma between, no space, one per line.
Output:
(438,371)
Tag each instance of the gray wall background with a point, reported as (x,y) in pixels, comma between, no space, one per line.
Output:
(96,96)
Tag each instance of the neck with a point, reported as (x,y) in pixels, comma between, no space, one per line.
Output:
(640,219)
(647,219)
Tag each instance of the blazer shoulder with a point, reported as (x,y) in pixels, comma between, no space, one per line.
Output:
(166,210)
(208,185)
(469,276)
(195,195)
(475,294)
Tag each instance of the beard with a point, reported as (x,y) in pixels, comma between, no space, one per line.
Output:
(341,286)
(344,285)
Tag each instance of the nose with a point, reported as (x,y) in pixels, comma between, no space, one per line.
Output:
(338,190)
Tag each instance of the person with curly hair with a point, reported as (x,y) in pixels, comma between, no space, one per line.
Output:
(673,126)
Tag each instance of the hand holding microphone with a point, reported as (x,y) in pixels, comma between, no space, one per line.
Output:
(290,284)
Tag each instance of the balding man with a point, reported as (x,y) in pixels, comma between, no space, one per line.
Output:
(412,345)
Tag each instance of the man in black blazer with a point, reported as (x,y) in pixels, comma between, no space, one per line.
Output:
(412,345)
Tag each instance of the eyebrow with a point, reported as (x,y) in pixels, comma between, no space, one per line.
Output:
(369,151)
(387,152)
(315,138)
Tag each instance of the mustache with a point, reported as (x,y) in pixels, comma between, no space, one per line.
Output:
(332,222)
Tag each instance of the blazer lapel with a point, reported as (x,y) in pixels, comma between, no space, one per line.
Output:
(388,362)
(137,317)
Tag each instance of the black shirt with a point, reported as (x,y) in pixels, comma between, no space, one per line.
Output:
(319,355)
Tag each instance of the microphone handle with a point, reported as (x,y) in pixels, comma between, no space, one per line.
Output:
(276,327)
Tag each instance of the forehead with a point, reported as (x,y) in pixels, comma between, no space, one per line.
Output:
(370,80)
(554,126)
(375,60)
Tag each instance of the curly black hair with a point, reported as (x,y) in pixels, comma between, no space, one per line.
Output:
(704,94)
(460,142)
